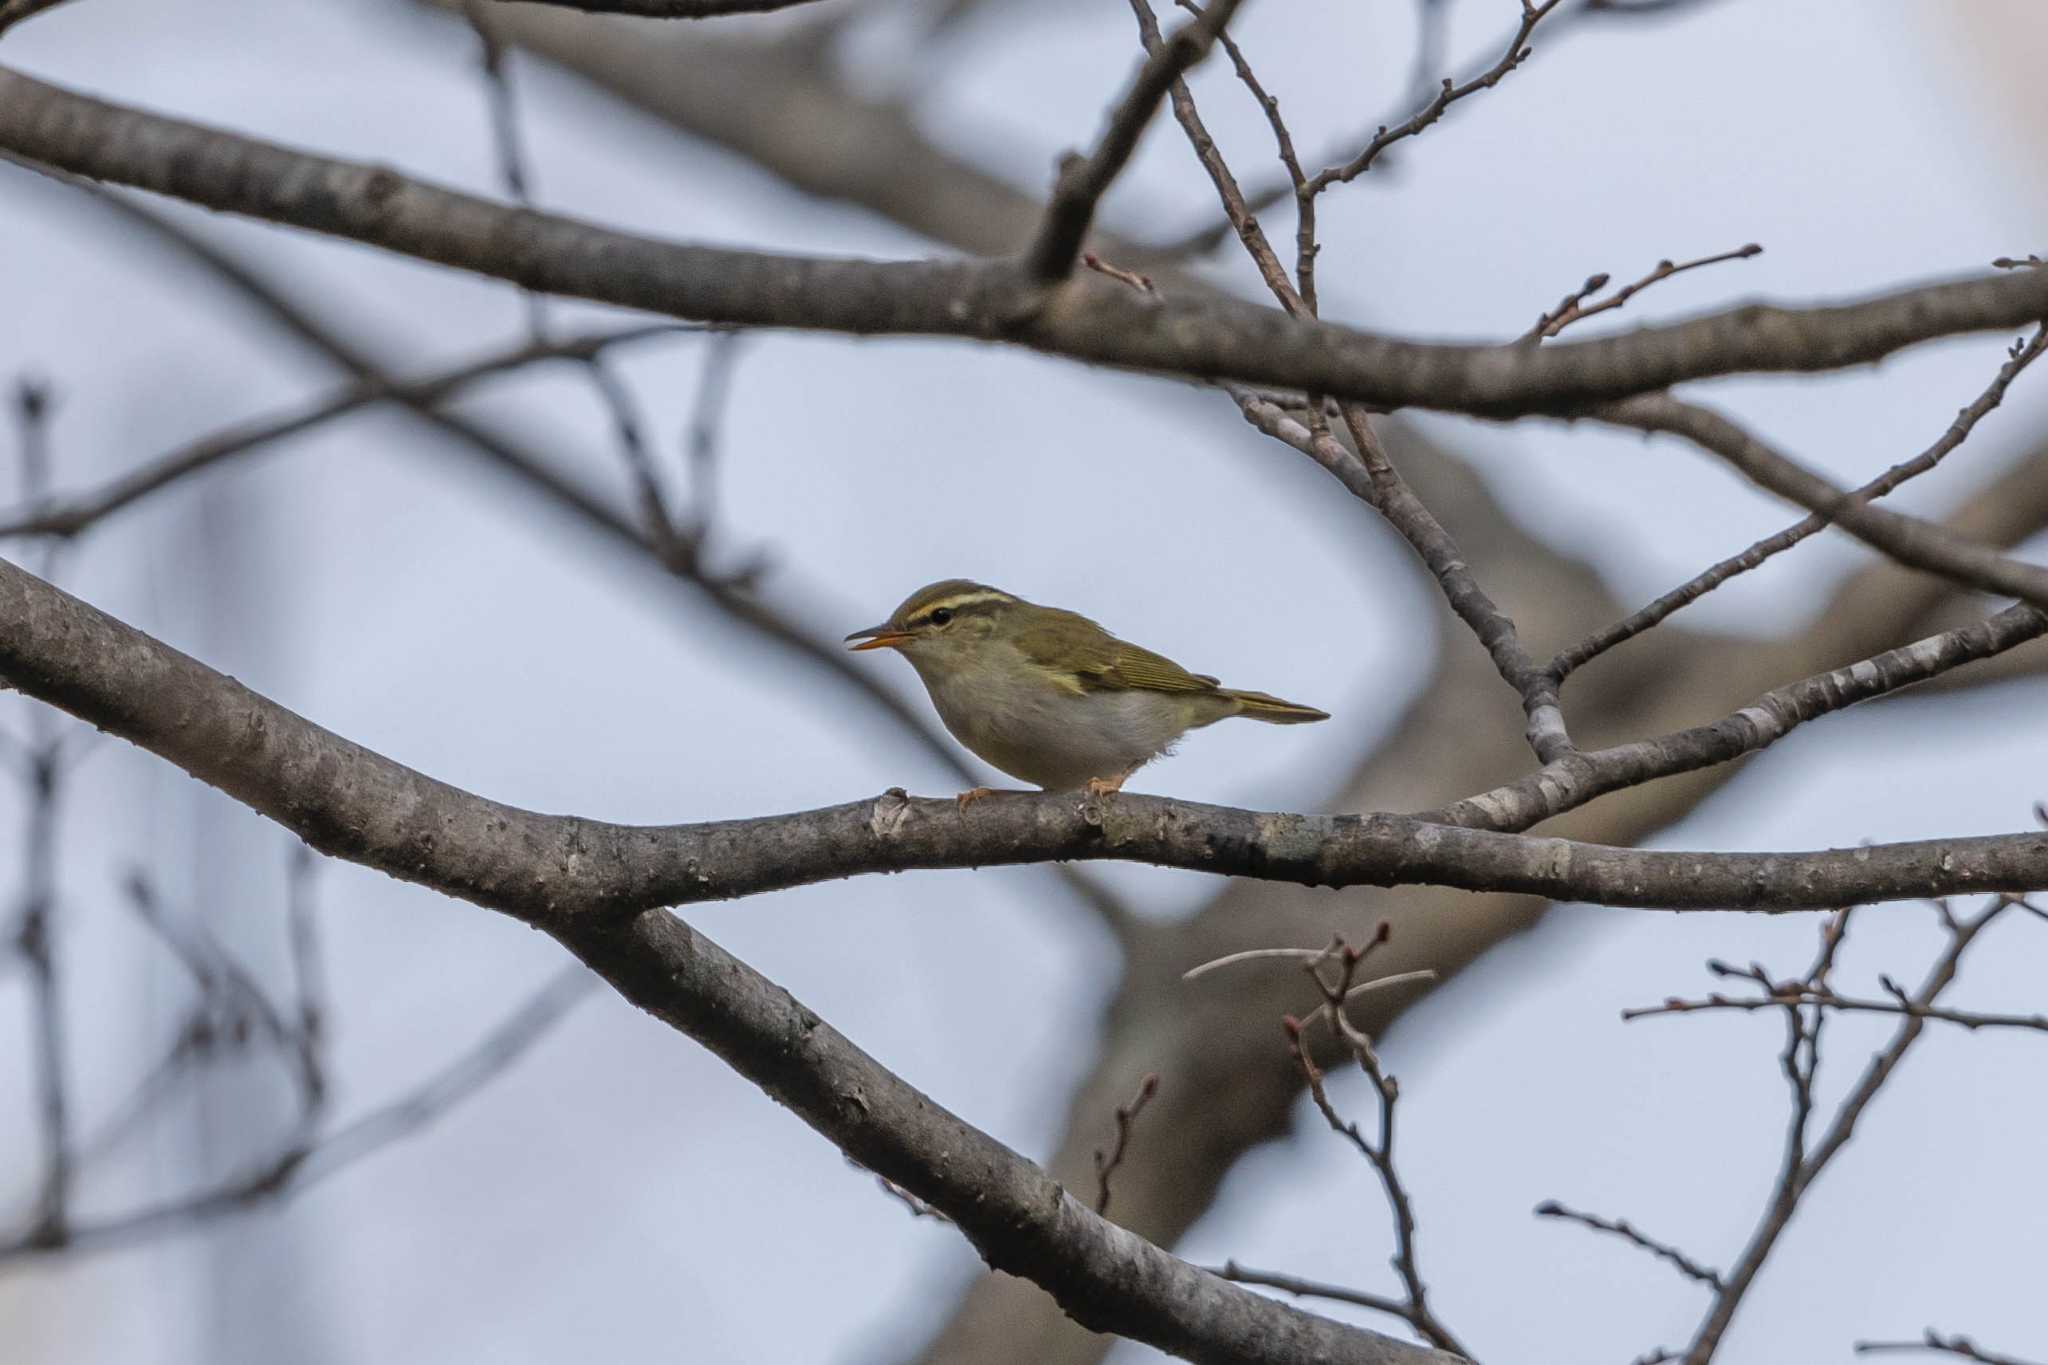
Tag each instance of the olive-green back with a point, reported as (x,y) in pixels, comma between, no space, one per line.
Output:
(1090,659)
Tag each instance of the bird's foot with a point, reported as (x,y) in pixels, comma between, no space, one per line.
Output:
(1103,786)
(969,797)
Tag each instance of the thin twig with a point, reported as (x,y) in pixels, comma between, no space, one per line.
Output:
(1937,1343)
(1805,1159)
(1621,1228)
(70,515)
(1447,95)
(1569,660)
(1909,540)
(714,387)
(35,935)
(1795,992)
(1241,219)
(512,174)
(305,1158)
(1371,477)
(1302,301)
(1127,1113)
(1083,180)
(1574,308)
(1378,1152)
(1301,1288)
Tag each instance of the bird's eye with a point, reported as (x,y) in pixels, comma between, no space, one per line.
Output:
(943,616)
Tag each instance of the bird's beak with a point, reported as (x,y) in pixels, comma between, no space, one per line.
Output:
(878,637)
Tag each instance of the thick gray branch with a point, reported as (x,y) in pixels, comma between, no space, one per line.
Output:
(1083,319)
(1019,1218)
(547,869)
(553,870)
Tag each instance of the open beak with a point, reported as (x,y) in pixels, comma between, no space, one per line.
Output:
(878,637)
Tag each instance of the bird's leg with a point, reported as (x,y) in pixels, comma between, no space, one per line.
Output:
(1103,786)
(969,797)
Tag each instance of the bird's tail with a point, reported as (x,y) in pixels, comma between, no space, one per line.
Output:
(1263,706)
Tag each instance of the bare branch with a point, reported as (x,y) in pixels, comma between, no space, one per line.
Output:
(1127,1113)
(1207,337)
(304,1156)
(1301,1288)
(1778,994)
(1260,199)
(511,150)
(69,515)
(1804,1161)
(1371,477)
(1935,1343)
(1084,180)
(553,870)
(1574,308)
(1910,540)
(1699,586)
(1586,775)
(1414,1307)
(1621,1228)
(502,451)
(1449,94)
(1206,151)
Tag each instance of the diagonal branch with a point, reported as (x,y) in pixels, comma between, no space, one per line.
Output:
(1910,540)
(1958,431)
(1622,1228)
(1084,180)
(66,516)
(306,1156)
(1584,776)
(1371,477)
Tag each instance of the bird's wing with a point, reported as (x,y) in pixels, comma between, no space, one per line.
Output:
(1096,661)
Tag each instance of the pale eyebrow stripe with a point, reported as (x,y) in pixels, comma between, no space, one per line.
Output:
(963,599)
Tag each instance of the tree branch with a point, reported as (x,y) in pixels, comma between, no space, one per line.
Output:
(1084,180)
(1581,777)
(1958,431)
(1803,1164)
(1934,1343)
(65,516)
(1021,1220)
(502,451)
(554,870)
(1092,320)
(1910,540)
